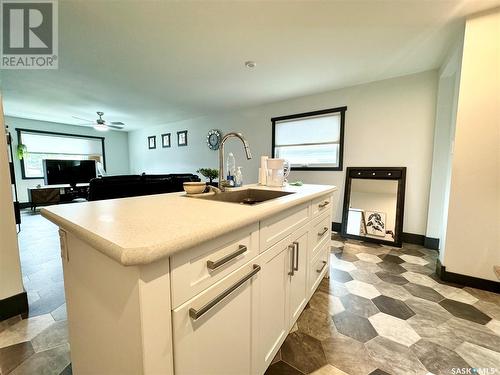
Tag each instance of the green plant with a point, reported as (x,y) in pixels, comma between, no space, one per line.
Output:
(209,173)
(22,150)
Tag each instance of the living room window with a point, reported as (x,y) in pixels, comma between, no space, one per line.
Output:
(312,140)
(41,145)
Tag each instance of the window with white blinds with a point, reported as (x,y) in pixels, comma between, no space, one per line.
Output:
(45,145)
(310,141)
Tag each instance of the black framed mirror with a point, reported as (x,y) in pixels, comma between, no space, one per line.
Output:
(374,204)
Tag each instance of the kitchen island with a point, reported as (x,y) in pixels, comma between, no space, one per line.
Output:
(169,284)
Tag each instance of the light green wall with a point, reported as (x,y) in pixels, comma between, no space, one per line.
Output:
(115,143)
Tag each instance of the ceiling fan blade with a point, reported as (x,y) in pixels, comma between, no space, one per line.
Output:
(116,123)
(84,119)
(115,126)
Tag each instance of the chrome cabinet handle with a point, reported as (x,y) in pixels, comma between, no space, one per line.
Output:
(325,229)
(292,259)
(212,265)
(196,314)
(296,245)
(324,204)
(323,267)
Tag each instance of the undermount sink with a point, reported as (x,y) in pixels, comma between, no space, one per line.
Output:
(246,196)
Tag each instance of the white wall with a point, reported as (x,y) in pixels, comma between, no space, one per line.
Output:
(388,123)
(444,134)
(10,268)
(473,235)
(115,143)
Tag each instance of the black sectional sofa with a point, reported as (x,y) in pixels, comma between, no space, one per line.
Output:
(135,185)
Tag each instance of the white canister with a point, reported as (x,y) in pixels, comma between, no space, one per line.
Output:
(263,170)
(277,172)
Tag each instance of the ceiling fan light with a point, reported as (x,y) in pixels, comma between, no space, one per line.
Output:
(100,127)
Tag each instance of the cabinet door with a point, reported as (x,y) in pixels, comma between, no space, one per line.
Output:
(273,309)
(219,338)
(298,278)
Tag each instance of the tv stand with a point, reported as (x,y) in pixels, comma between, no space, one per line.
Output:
(55,194)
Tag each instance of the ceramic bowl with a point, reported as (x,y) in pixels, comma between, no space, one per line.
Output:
(194,187)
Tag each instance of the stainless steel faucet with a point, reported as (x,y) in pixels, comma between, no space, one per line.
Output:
(223,183)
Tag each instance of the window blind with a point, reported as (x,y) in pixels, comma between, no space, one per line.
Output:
(41,146)
(309,141)
(60,144)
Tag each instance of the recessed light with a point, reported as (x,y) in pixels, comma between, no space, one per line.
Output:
(250,64)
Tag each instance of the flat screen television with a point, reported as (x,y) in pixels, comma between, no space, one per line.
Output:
(72,172)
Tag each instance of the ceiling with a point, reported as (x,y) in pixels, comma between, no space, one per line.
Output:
(152,62)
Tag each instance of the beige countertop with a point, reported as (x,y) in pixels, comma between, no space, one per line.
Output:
(141,230)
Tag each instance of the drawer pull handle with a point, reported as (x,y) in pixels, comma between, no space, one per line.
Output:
(296,245)
(324,204)
(325,229)
(211,265)
(292,260)
(323,267)
(196,314)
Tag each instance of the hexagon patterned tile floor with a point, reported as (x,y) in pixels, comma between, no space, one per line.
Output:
(390,278)
(393,307)
(412,324)
(392,316)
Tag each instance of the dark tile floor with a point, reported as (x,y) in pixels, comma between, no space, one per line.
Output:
(41,266)
(384,311)
(39,344)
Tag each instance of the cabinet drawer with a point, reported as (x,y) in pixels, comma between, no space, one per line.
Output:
(318,267)
(215,333)
(321,204)
(196,269)
(320,232)
(281,225)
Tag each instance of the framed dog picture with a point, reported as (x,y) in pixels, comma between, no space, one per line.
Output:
(375,223)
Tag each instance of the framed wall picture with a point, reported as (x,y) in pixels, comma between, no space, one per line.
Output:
(182,138)
(165,140)
(152,142)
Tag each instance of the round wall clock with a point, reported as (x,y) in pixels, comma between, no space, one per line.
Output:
(213,139)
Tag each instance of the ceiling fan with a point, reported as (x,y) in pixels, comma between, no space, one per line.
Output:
(101,124)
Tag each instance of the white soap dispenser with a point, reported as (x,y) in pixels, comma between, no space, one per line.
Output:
(238,178)
(231,169)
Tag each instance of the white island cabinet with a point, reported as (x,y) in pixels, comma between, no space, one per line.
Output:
(215,295)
